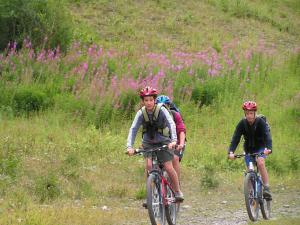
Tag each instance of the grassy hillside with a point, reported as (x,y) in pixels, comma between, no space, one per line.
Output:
(166,24)
(64,118)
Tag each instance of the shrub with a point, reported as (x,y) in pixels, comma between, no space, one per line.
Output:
(209,179)
(70,103)
(47,188)
(43,22)
(69,167)
(294,162)
(141,193)
(128,101)
(276,165)
(114,191)
(9,165)
(204,94)
(104,114)
(5,95)
(29,99)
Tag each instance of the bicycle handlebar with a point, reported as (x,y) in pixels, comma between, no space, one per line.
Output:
(250,154)
(164,147)
(141,150)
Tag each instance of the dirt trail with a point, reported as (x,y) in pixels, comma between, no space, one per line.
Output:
(227,208)
(230,209)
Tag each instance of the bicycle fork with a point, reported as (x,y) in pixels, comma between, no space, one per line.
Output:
(159,185)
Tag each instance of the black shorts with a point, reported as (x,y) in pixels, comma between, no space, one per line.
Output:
(162,156)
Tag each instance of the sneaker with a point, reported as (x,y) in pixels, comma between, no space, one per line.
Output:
(145,205)
(179,196)
(267,193)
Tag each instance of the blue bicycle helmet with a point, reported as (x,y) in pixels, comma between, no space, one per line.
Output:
(163,99)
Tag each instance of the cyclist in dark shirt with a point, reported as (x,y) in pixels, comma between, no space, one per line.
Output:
(257,139)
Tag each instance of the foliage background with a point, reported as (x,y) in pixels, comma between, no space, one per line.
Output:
(67,101)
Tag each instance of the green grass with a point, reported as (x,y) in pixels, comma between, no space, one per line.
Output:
(186,25)
(63,164)
(288,221)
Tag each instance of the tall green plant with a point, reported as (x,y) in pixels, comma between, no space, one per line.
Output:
(43,22)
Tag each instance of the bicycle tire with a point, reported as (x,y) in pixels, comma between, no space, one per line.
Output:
(265,207)
(252,204)
(171,207)
(156,209)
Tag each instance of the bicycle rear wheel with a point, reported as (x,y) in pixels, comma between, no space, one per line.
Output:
(252,203)
(265,207)
(156,209)
(171,207)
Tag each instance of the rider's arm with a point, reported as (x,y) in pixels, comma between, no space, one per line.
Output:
(180,129)
(137,122)
(267,136)
(236,137)
(170,124)
(180,126)
(181,139)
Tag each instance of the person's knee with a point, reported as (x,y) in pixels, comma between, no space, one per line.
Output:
(261,162)
(176,158)
(168,166)
(148,164)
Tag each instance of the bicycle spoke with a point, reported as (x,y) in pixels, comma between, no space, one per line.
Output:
(154,201)
(171,207)
(250,198)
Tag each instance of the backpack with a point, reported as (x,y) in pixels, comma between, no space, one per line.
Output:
(174,107)
(264,118)
(152,123)
(172,110)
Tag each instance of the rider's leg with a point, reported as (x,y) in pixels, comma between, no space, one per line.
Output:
(172,174)
(176,165)
(265,178)
(262,170)
(148,166)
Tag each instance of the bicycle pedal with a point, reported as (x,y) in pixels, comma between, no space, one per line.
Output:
(268,198)
(179,200)
(145,205)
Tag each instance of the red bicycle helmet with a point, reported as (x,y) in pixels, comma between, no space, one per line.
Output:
(148,91)
(250,105)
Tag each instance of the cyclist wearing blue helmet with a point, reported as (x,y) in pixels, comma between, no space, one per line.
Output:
(180,131)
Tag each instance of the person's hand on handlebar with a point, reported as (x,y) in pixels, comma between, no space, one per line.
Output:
(267,151)
(231,156)
(172,145)
(179,147)
(130,151)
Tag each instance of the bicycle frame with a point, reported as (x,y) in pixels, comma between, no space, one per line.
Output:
(158,170)
(254,171)
(161,204)
(253,195)
(257,180)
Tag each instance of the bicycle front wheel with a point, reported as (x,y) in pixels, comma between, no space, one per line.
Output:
(171,207)
(251,201)
(265,207)
(156,209)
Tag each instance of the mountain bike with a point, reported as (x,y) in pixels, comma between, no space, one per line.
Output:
(253,190)
(161,204)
